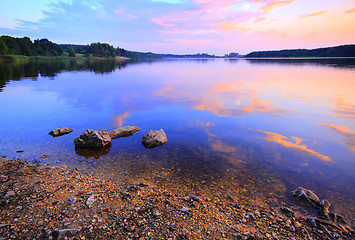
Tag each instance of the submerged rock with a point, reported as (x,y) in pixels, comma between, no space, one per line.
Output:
(60,131)
(93,139)
(306,197)
(123,131)
(154,139)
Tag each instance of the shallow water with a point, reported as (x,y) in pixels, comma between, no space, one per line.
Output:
(260,127)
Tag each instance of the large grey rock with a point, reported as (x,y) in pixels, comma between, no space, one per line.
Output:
(93,139)
(306,197)
(60,131)
(123,131)
(154,139)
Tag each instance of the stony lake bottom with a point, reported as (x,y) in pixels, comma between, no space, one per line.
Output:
(256,128)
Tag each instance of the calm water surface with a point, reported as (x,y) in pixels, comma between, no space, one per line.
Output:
(263,127)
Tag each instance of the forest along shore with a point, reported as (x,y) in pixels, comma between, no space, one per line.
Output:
(55,203)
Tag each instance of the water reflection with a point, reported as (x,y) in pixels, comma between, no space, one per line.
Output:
(293,142)
(349,134)
(331,62)
(51,67)
(93,152)
(250,127)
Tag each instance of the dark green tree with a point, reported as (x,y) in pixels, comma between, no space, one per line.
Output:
(3,48)
(71,52)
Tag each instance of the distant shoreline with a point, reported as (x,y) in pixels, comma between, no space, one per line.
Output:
(297,58)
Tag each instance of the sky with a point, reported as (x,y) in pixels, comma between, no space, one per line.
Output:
(184,26)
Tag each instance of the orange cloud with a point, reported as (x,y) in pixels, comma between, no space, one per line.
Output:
(312,14)
(349,134)
(341,129)
(294,143)
(344,109)
(351,11)
(119,120)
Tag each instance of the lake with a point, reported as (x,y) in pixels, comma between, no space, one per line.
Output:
(256,128)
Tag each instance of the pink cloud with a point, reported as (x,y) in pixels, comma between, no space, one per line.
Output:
(118,11)
(351,11)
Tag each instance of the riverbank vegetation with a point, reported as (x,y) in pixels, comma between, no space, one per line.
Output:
(12,48)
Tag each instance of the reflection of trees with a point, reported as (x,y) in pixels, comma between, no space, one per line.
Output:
(330,62)
(51,67)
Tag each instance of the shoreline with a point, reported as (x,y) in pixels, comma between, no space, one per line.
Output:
(13,58)
(52,202)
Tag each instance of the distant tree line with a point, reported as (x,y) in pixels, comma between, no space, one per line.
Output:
(198,55)
(43,47)
(339,51)
(106,50)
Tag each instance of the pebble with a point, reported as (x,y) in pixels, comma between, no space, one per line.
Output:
(156,214)
(72,200)
(91,200)
(9,194)
(184,210)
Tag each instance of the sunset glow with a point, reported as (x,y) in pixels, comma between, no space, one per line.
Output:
(184,26)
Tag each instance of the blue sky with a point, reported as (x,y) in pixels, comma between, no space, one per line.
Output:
(184,26)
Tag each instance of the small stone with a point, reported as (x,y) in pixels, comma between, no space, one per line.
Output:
(168,202)
(91,200)
(9,194)
(155,214)
(133,188)
(311,221)
(72,200)
(142,184)
(184,210)
(60,131)
(287,211)
(196,199)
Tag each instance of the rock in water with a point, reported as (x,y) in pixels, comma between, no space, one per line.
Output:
(93,139)
(154,139)
(60,131)
(306,197)
(123,131)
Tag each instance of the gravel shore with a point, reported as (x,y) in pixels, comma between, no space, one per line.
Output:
(55,203)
